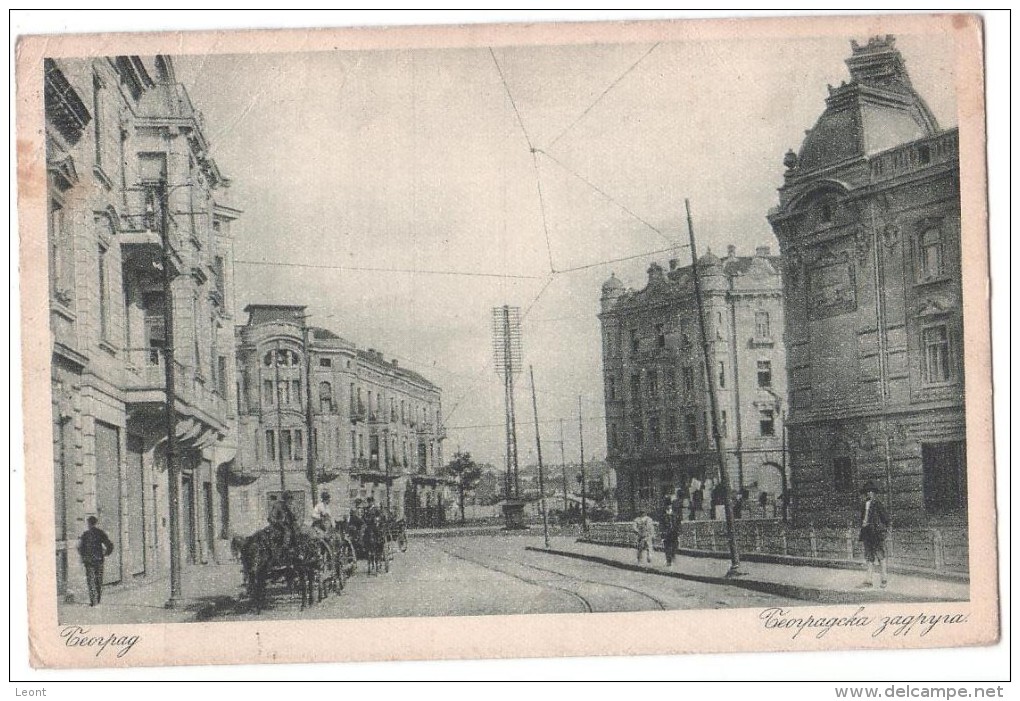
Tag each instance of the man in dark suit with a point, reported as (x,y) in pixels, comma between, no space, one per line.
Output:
(670,527)
(94,546)
(874,527)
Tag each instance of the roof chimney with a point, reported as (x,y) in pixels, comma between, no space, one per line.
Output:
(731,251)
(673,262)
(395,363)
(762,251)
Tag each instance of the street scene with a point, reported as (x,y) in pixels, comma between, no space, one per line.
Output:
(506,330)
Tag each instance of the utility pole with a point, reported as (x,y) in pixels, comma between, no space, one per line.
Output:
(172,472)
(538,447)
(584,487)
(313,477)
(279,421)
(563,465)
(720,450)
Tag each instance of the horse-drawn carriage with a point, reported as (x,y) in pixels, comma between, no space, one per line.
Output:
(372,538)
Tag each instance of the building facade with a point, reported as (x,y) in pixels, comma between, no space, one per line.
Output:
(869,227)
(119,131)
(658,421)
(312,402)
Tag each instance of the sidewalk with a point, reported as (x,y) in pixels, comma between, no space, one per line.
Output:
(206,589)
(809,583)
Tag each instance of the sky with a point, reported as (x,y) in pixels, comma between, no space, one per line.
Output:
(382,169)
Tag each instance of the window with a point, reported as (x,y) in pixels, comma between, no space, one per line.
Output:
(688,379)
(764,373)
(354,446)
(842,474)
(660,335)
(104,295)
(325,362)
(767,422)
(674,427)
(690,428)
(719,325)
(283,392)
(724,429)
(611,388)
(299,445)
(945,476)
(653,384)
(271,445)
(635,388)
(826,211)
(286,445)
(283,358)
(267,392)
(722,374)
(638,434)
(653,429)
(61,255)
(221,374)
(761,325)
(218,275)
(325,398)
(635,343)
(645,487)
(931,260)
(935,348)
(671,382)
(296,392)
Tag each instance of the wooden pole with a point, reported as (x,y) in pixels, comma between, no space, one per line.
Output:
(538,447)
(720,450)
(584,487)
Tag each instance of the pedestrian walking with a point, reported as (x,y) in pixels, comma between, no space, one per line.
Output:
(763,502)
(874,527)
(644,528)
(94,546)
(670,526)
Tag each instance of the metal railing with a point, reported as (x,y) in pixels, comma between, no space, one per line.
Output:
(915,156)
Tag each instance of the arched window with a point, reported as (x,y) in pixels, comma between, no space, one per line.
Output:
(930,255)
(326,398)
(283,357)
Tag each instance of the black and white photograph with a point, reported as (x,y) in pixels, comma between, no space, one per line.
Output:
(672,323)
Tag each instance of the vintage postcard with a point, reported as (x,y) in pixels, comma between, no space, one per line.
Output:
(506,340)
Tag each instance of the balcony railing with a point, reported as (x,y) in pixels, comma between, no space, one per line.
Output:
(915,156)
(146,373)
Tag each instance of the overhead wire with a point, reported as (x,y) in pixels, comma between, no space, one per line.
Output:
(604,93)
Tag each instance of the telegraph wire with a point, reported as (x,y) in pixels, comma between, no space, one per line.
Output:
(618,260)
(512,103)
(605,194)
(604,93)
(541,204)
(409,271)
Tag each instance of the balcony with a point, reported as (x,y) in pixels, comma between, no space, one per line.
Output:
(139,238)
(145,384)
(425,427)
(915,156)
(358,414)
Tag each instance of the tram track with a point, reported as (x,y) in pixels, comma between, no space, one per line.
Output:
(585,601)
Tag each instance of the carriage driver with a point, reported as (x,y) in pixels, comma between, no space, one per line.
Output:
(322,516)
(283,522)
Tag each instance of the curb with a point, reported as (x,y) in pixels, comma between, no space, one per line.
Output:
(796,561)
(790,591)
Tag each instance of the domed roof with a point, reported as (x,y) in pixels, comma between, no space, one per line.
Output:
(612,285)
(877,110)
(710,262)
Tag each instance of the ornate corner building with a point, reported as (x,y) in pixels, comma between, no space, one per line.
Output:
(120,131)
(869,228)
(658,424)
(313,403)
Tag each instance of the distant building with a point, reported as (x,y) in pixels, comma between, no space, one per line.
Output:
(371,423)
(658,422)
(118,129)
(869,225)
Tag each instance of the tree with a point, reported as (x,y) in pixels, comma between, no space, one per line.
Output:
(468,474)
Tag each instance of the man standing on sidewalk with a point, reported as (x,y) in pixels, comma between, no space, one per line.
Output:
(644,527)
(670,531)
(94,546)
(874,526)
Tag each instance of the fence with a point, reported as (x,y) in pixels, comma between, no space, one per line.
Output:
(942,550)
